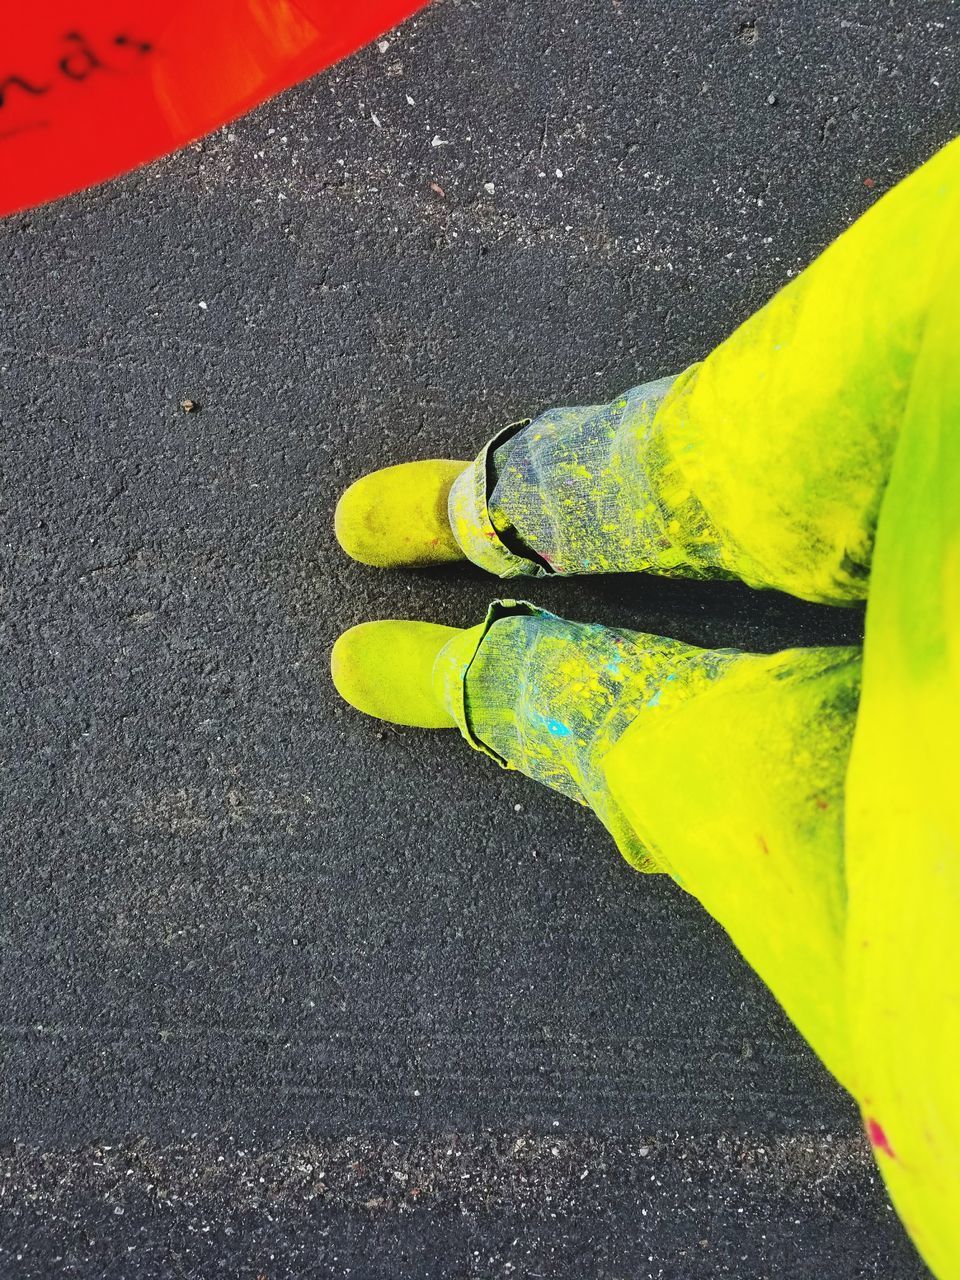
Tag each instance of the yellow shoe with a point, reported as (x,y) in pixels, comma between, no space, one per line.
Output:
(385,669)
(398,516)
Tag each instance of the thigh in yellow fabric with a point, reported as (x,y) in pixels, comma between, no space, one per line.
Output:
(903,832)
(773,454)
(739,795)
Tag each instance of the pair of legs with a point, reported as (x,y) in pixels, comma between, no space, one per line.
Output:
(824,429)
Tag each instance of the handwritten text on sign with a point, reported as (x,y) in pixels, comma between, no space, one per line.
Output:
(92,88)
(71,64)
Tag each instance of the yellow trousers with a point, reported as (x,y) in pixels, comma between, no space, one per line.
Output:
(810,799)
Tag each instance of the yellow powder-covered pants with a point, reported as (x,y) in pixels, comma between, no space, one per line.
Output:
(809,799)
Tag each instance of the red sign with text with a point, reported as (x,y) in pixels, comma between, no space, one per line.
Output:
(91,88)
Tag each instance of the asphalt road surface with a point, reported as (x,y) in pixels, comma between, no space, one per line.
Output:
(287,994)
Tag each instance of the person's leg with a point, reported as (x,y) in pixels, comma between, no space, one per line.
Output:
(767,461)
(724,769)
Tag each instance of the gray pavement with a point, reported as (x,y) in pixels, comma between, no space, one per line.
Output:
(287,994)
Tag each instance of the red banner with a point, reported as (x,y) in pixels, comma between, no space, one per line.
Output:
(91,88)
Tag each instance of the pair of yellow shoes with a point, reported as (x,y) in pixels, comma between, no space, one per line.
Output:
(396,518)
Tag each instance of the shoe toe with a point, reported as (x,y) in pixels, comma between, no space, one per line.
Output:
(385,669)
(398,516)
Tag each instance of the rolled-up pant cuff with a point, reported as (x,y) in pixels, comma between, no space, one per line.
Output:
(453,662)
(470,521)
(498,702)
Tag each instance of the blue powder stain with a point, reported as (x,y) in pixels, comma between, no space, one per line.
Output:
(556,727)
(654,701)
